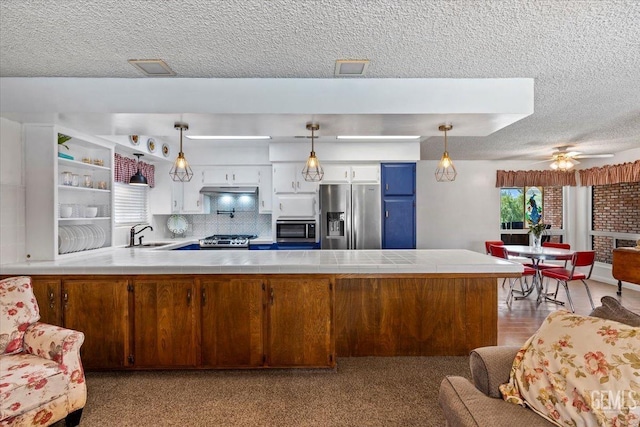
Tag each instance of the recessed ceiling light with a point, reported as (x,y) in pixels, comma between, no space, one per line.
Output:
(152,67)
(228,137)
(351,67)
(377,136)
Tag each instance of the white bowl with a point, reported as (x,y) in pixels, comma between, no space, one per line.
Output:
(66,211)
(90,211)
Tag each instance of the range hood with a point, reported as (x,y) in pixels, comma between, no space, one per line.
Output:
(228,190)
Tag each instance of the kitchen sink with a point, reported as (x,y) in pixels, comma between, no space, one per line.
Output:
(150,245)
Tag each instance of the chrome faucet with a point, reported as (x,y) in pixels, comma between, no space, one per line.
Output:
(133,232)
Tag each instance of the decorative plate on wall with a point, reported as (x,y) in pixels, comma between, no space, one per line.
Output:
(151,145)
(134,139)
(165,150)
(177,224)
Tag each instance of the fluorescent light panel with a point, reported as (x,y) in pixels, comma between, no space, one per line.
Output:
(228,137)
(377,136)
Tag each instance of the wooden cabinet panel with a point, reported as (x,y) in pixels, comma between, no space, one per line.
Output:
(165,322)
(100,309)
(48,292)
(232,321)
(300,322)
(414,316)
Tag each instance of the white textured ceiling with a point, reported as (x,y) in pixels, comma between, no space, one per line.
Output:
(583,55)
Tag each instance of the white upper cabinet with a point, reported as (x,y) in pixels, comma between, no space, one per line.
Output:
(365,174)
(287,178)
(235,175)
(192,201)
(337,173)
(295,206)
(264,190)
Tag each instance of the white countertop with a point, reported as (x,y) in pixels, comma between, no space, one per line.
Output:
(157,261)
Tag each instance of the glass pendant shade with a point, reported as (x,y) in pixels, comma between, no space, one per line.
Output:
(138,178)
(312,171)
(445,171)
(181,171)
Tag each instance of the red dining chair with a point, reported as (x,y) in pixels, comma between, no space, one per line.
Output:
(563,275)
(499,251)
(487,246)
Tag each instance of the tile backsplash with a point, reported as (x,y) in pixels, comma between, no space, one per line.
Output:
(245,220)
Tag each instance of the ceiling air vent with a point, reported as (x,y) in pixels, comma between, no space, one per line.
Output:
(351,67)
(152,67)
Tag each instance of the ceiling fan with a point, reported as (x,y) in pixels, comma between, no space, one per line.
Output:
(563,159)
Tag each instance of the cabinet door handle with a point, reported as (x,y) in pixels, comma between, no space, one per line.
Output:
(346,174)
(65,298)
(280,206)
(198,203)
(204,297)
(298,184)
(175,203)
(386,214)
(51,299)
(353,174)
(271,297)
(234,176)
(386,186)
(226,177)
(293,185)
(188,297)
(262,203)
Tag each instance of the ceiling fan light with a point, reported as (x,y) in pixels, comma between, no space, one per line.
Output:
(554,165)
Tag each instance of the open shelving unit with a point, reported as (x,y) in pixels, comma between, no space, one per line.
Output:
(47,192)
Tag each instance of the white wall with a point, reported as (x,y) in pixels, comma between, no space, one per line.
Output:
(12,193)
(460,214)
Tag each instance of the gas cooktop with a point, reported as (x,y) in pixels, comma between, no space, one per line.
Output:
(227,241)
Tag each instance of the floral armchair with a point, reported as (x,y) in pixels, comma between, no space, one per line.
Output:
(41,375)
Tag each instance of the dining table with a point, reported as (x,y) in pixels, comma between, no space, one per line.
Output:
(536,255)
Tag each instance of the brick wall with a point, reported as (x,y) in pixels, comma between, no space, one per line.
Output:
(616,208)
(552,205)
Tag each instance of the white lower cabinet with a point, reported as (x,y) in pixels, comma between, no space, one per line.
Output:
(295,205)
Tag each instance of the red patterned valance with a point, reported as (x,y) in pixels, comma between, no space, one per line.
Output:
(611,174)
(125,168)
(539,178)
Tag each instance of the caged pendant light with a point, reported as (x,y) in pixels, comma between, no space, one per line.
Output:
(445,170)
(181,171)
(312,171)
(138,178)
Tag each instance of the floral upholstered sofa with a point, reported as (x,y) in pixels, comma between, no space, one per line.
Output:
(481,403)
(41,376)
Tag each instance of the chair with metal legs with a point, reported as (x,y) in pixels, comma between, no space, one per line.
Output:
(501,252)
(487,246)
(563,275)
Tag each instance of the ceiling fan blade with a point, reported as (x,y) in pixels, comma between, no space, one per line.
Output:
(594,156)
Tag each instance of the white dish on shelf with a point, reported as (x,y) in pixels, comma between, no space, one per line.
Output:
(103,236)
(83,237)
(88,236)
(64,241)
(177,224)
(151,145)
(165,150)
(74,239)
(134,139)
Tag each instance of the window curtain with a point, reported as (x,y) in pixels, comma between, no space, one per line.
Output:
(540,178)
(611,174)
(125,168)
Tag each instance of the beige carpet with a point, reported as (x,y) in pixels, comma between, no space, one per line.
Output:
(398,391)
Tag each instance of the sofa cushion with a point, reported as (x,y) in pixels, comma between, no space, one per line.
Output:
(18,309)
(28,382)
(612,309)
(579,370)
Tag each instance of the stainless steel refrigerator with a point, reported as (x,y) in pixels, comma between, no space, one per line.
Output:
(350,216)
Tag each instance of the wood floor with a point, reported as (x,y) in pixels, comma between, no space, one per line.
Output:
(524,317)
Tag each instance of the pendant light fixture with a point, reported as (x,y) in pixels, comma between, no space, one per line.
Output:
(312,171)
(181,171)
(445,170)
(138,178)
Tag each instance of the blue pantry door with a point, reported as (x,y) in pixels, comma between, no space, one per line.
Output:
(399,223)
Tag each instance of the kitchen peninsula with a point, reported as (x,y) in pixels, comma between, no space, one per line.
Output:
(156,309)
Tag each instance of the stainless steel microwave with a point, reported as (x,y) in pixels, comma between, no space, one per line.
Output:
(290,231)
